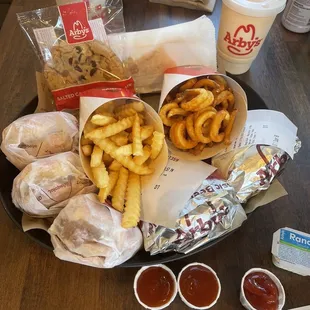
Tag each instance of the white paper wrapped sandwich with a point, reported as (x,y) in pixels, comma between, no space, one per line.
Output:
(90,233)
(44,187)
(41,135)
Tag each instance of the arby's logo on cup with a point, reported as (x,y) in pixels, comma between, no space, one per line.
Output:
(243,41)
(75,22)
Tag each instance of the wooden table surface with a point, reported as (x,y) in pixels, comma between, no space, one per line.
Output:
(32,278)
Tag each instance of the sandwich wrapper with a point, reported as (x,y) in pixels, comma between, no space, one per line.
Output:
(210,212)
(29,223)
(274,192)
(90,233)
(36,136)
(251,163)
(45,186)
(175,76)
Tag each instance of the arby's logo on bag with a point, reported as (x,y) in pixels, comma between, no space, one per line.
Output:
(79,31)
(243,41)
(75,22)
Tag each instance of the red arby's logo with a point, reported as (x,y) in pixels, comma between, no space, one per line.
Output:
(75,22)
(79,31)
(243,40)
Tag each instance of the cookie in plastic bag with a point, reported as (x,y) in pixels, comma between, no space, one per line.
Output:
(83,63)
(90,233)
(72,43)
(44,187)
(40,135)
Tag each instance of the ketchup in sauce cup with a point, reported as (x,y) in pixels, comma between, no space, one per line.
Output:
(261,290)
(198,285)
(155,287)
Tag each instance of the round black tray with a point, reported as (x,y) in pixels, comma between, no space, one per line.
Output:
(142,258)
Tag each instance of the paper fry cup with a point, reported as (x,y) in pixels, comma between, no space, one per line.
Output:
(175,76)
(93,99)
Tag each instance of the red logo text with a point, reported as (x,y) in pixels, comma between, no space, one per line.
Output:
(75,22)
(243,41)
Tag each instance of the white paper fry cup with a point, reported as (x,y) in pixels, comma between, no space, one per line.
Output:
(185,300)
(93,99)
(178,75)
(136,282)
(277,282)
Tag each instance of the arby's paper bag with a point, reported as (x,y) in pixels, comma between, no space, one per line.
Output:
(112,97)
(175,76)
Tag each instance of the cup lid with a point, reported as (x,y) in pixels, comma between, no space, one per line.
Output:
(256,8)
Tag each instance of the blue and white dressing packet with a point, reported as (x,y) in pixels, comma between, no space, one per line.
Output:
(291,250)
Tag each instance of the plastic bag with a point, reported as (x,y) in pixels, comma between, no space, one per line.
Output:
(71,40)
(147,54)
(43,188)
(90,233)
(36,136)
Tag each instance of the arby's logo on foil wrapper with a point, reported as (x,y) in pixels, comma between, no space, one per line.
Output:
(243,41)
(273,166)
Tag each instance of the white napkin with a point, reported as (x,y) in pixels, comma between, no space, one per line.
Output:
(147,54)
(164,198)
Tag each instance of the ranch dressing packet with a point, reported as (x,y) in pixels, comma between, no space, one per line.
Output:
(291,250)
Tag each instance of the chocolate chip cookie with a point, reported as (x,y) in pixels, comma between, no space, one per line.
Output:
(82,63)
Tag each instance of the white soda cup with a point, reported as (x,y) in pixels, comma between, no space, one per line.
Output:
(243,28)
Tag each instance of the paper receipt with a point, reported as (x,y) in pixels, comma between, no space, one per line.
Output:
(163,199)
(267,127)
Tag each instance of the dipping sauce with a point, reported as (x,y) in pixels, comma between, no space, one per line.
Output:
(155,286)
(260,291)
(199,286)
